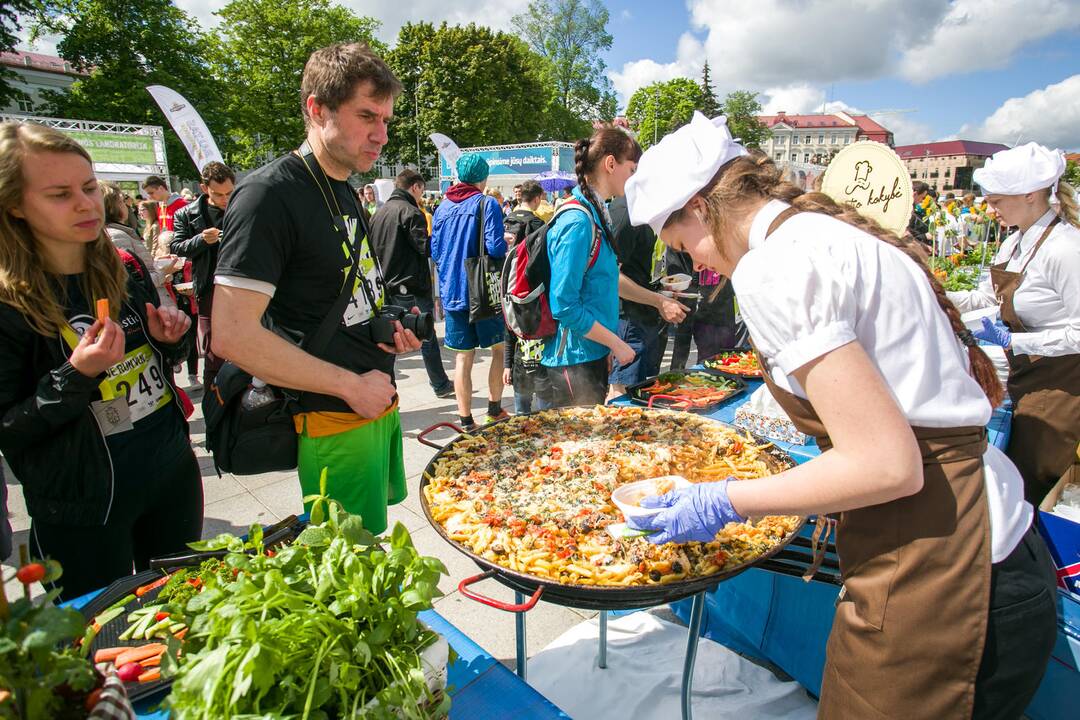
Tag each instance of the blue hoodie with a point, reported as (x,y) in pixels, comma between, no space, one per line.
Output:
(453,238)
(579,297)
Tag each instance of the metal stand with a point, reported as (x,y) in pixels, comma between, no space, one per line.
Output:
(696,611)
(602,659)
(522,648)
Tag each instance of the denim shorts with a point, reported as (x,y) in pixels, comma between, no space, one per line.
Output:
(461,335)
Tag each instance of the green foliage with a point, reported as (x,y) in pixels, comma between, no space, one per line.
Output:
(476,85)
(658,109)
(320,629)
(570,36)
(32,666)
(259,54)
(10,12)
(1072,174)
(127,46)
(710,106)
(741,108)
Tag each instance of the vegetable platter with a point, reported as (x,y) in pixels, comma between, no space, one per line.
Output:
(697,390)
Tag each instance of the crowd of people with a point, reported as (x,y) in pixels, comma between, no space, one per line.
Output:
(286,274)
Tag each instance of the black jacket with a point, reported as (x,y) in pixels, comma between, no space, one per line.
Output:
(48,433)
(399,236)
(189,222)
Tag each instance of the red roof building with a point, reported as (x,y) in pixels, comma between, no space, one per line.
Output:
(948,165)
(814,139)
(36,72)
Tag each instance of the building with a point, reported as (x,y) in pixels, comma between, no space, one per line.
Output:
(947,166)
(813,139)
(36,73)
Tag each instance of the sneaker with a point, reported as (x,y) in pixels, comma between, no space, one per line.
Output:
(488,419)
(446,391)
(468,427)
(193,381)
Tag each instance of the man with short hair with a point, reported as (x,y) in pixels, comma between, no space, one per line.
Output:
(197,235)
(168,202)
(399,237)
(453,239)
(919,224)
(292,235)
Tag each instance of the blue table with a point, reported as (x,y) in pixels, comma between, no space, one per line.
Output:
(786,621)
(480,686)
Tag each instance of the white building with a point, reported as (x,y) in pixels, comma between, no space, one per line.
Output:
(814,139)
(35,73)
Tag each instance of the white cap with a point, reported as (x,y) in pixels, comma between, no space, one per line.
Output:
(1021,170)
(674,170)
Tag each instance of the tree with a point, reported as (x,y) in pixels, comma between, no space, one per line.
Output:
(710,106)
(741,109)
(126,46)
(1072,174)
(570,35)
(658,109)
(10,26)
(259,55)
(476,85)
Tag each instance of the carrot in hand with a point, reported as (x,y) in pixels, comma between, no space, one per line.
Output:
(103,310)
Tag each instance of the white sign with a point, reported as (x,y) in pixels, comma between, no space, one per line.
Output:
(188,124)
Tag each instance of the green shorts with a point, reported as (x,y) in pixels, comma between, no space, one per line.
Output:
(365,468)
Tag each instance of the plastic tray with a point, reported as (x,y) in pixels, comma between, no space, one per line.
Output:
(638,397)
(729,373)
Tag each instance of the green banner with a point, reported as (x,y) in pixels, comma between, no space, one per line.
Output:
(106,147)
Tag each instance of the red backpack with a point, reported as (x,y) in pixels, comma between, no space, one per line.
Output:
(526,278)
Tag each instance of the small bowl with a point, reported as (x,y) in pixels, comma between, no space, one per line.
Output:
(626,497)
(677,282)
(163,262)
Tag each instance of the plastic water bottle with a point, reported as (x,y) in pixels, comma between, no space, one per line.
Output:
(257,395)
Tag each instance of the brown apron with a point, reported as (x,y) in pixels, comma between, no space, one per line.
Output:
(907,640)
(1045,392)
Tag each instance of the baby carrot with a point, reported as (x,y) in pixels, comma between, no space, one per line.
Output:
(103,310)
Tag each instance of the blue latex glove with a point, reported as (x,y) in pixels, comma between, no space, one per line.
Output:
(991,333)
(694,513)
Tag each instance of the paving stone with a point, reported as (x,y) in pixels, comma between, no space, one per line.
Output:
(283,498)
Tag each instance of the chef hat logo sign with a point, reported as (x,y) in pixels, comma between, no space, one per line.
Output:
(870,177)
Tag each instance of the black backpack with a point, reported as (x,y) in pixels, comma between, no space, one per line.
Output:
(526,276)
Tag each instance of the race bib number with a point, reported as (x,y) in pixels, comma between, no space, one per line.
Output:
(138,380)
(368,284)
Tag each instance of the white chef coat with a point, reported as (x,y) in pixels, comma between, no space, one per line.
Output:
(1048,299)
(818,283)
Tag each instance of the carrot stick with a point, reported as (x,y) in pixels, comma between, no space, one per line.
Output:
(137,654)
(103,310)
(150,586)
(180,634)
(109,654)
(150,675)
(151,662)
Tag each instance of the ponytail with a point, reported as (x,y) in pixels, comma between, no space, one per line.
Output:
(1067,210)
(758,176)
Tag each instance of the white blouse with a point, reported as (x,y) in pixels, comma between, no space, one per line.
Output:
(818,283)
(1048,299)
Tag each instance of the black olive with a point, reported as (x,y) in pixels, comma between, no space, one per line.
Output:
(677,567)
(655,576)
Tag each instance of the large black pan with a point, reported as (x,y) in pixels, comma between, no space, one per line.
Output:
(588,596)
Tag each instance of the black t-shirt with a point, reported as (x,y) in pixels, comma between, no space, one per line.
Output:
(157,423)
(521,223)
(634,248)
(281,228)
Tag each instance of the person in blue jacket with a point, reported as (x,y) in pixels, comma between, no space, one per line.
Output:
(584,295)
(453,239)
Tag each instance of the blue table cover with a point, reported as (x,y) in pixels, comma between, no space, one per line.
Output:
(786,621)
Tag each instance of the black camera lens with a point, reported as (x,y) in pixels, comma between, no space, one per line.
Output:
(422,325)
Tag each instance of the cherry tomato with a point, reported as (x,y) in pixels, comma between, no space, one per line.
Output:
(32,573)
(161,616)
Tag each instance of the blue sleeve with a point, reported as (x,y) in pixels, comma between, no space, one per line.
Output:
(436,236)
(494,228)
(569,243)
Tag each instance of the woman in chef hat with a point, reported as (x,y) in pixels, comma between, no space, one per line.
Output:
(948,609)
(1036,280)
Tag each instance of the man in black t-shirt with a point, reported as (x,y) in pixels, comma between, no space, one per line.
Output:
(642,311)
(292,231)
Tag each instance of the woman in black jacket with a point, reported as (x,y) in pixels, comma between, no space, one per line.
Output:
(90,421)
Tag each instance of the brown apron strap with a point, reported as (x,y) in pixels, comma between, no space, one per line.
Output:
(780,220)
(1042,239)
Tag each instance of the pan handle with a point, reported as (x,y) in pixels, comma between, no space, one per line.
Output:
(678,400)
(526,606)
(422,437)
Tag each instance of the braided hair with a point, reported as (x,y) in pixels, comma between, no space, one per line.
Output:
(751,177)
(590,152)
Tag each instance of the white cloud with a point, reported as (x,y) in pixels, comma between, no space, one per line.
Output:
(1050,116)
(640,73)
(976,34)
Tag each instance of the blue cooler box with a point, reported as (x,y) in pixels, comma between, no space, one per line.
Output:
(1062,537)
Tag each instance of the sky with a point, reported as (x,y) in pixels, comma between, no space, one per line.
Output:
(998,70)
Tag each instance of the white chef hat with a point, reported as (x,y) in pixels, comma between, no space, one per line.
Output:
(1021,170)
(672,171)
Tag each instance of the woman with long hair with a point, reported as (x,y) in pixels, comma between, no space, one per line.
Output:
(148,213)
(90,422)
(124,238)
(584,292)
(1035,278)
(949,603)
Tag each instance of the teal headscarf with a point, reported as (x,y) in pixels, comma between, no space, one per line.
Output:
(472,168)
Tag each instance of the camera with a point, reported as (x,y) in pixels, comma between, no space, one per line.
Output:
(382,325)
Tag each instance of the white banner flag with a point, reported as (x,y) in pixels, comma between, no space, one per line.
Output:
(188,124)
(448,149)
